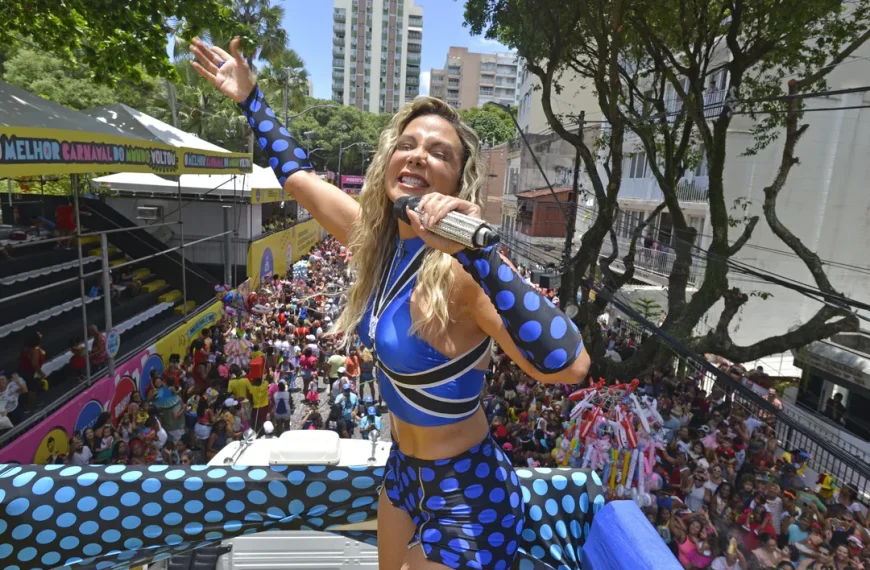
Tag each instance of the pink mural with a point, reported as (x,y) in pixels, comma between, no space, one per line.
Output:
(111,394)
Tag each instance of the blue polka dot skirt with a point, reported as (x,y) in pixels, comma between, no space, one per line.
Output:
(467,510)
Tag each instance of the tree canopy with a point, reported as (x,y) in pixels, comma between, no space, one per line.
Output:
(110,40)
(493,125)
(649,64)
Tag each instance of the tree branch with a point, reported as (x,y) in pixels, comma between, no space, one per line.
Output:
(744,237)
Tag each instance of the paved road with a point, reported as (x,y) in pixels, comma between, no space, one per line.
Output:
(302,408)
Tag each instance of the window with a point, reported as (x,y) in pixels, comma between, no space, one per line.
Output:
(486,90)
(701,168)
(453,82)
(514,180)
(627,221)
(454,70)
(635,165)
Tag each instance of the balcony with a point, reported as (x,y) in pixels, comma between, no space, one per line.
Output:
(414,48)
(338,52)
(688,190)
(714,100)
(338,40)
(339,28)
(338,63)
(339,16)
(338,74)
(652,264)
(412,81)
(413,60)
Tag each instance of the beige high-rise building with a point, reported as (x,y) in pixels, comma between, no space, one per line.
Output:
(376,53)
(472,79)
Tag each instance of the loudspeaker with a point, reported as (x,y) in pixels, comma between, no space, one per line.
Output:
(549,280)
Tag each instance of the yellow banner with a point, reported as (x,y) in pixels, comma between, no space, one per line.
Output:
(276,253)
(179,340)
(267,195)
(39,151)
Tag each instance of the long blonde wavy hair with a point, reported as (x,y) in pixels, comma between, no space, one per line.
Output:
(376,228)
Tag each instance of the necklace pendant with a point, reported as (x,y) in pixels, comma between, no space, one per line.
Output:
(373,325)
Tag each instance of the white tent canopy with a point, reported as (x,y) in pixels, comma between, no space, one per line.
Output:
(215,185)
(130,121)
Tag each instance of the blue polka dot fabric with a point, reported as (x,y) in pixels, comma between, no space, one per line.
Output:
(119,517)
(467,511)
(544,334)
(286,155)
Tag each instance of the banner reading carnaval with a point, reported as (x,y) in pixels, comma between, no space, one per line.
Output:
(40,151)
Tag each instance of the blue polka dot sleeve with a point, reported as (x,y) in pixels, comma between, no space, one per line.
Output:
(286,155)
(543,333)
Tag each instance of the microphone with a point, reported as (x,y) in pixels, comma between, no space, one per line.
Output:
(471,232)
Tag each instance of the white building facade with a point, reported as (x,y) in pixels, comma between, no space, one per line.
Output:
(377,46)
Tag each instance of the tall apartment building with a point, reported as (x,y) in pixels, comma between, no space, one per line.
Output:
(472,79)
(376,53)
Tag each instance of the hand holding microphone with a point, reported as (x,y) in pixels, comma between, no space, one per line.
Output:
(455,223)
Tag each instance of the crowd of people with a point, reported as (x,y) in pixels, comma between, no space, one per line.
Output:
(718,489)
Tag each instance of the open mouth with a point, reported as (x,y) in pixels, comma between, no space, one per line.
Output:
(410,181)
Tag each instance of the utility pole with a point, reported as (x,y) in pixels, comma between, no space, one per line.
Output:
(567,285)
(173,102)
(286,93)
(573,198)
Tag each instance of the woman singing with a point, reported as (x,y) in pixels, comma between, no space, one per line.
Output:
(428,309)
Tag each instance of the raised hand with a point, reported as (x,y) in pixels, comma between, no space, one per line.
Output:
(229,73)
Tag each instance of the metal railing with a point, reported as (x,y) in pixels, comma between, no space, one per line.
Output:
(653,261)
(847,463)
(688,189)
(9,435)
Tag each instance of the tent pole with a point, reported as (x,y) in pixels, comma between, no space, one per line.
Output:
(74,184)
(236,233)
(183,265)
(9,189)
(107,295)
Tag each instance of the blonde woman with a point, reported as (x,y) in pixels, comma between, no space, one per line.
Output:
(367,372)
(429,310)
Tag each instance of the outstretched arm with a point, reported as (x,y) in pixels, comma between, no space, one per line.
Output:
(288,159)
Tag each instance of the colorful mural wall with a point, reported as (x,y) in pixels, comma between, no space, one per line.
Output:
(110,395)
(275,253)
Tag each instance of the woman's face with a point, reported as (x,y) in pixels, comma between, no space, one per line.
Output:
(694,528)
(666,515)
(428,158)
(89,433)
(770,545)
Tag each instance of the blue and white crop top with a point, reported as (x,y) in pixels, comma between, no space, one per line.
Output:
(420,385)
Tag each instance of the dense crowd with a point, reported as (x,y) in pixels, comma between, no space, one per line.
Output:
(720,491)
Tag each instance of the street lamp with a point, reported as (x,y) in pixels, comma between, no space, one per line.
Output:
(308,136)
(341,150)
(295,71)
(305,110)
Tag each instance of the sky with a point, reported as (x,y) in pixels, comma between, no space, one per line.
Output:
(309,27)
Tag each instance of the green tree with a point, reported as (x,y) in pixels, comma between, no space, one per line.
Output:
(111,40)
(648,308)
(493,125)
(334,128)
(52,78)
(646,59)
